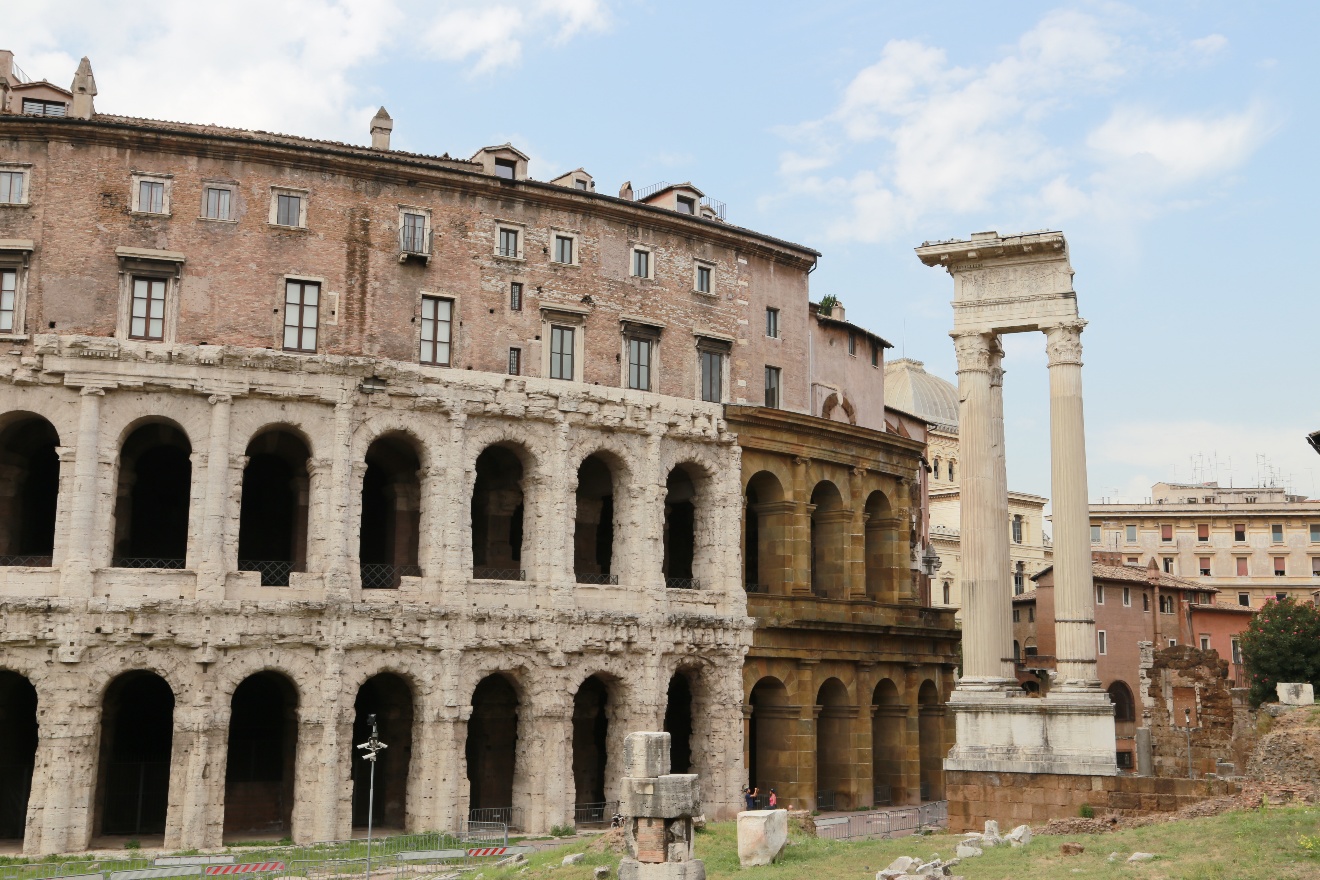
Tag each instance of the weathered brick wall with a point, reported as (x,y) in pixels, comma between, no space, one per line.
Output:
(1183,677)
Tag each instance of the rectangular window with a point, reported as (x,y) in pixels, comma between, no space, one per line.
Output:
(1173,643)
(508,243)
(1237,651)
(151,196)
(1166,533)
(1123,760)
(1102,642)
(1017,524)
(641,264)
(561,352)
(703,279)
(437,329)
(36,107)
(506,168)
(216,206)
(1205,642)
(1240,532)
(772,323)
(1133,560)
(302,302)
(581,184)
(1019,581)
(8,299)
(1279,597)
(11,187)
(563,249)
(1276,533)
(1017,615)
(1145,601)
(1127,597)
(1168,565)
(515,296)
(1095,534)
(1203,563)
(1241,566)
(852,344)
(639,364)
(1315,533)
(1203,532)
(1130,533)
(288,210)
(1099,595)
(712,379)
(772,375)
(147,319)
(1315,566)
(414,234)
(515,362)
(686,205)
(1244,599)
(1031,614)
(875,353)
(1280,566)
(1166,604)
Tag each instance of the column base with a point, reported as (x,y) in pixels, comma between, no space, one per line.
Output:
(1002,732)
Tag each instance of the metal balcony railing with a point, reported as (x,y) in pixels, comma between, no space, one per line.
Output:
(603,579)
(384,576)
(482,573)
(146,562)
(756,588)
(27,561)
(274,573)
(683,583)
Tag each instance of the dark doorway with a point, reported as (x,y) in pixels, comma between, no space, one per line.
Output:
(678,723)
(389,698)
(263,742)
(680,529)
(930,728)
(770,759)
(593,532)
(29,489)
(272,522)
(834,754)
(137,733)
(591,726)
(829,536)
(767,560)
(18,751)
(497,516)
(492,745)
(391,513)
(888,718)
(151,510)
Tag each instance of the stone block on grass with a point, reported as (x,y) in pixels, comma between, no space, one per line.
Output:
(762,836)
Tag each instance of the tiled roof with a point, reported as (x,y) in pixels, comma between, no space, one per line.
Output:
(1028,596)
(1137,575)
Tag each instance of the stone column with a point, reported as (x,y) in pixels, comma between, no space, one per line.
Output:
(1074,592)
(802,529)
(76,572)
(59,817)
(987,599)
(340,576)
(215,506)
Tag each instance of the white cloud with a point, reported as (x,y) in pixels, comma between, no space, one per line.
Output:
(927,138)
(290,66)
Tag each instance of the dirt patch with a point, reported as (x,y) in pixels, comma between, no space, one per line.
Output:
(610,842)
(1289,754)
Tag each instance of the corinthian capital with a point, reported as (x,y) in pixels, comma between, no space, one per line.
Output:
(1063,343)
(996,361)
(973,350)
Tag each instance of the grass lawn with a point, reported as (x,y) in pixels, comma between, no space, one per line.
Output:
(1250,845)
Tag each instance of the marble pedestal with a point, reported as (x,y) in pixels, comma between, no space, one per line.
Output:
(1067,732)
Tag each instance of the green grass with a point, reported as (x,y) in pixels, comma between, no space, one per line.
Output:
(1250,845)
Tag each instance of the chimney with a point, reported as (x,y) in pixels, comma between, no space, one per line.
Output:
(84,89)
(381,126)
(625,191)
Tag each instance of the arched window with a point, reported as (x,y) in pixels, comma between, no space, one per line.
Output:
(948,591)
(935,468)
(1125,709)
(272,521)
(1019,579)
(497,516)
(387,698)
(594,533)
(151,511)
(29,487)
(766,525)
(829,535)
(137,733)
(1017,528)
(391,513)
(262,750)
(952,474)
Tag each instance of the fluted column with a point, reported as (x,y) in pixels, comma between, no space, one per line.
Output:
(1074,592)
(987,609)
(76,578)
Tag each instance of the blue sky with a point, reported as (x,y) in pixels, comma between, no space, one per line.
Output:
(1175,148)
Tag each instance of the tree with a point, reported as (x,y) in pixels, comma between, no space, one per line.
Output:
(1282,643)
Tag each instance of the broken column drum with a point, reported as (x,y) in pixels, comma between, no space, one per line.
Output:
(658,807)
(1016,284)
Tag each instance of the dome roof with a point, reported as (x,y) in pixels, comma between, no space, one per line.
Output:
(910,388)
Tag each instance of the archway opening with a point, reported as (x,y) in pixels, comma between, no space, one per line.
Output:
(492,747)
(388,699)
(930,732)
(770,759)
(678,723)
(829,532)
(766,549)
(391,513)
(497,516)
(881,539)
(680,531)
(137,734)
(591,730)
(272,520)
(151,507)
(1125,709)
(593,531)
(18,751)
(888,717)
(263,744)
(29,490)
(834,753)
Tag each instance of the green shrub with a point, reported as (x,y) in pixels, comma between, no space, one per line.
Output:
(132,844)
(1282,643)
(1086,811)
(563,831)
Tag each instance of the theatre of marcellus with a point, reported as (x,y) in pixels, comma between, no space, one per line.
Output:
(295,432)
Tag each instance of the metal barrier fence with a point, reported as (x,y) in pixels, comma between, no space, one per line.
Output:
(884,823)
(594,814)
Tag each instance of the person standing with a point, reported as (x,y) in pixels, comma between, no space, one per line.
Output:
(751,798)
(774,800)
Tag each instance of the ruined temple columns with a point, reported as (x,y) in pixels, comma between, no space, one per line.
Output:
(987,599)
(1074,592)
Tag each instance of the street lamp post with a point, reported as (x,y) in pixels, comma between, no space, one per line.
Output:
(370,749)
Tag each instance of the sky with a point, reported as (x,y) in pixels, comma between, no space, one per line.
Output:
(1174,144)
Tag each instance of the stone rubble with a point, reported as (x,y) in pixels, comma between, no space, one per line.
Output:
(574,859)
(601,872)
(1142,857)
(913,868)
(1071,849)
